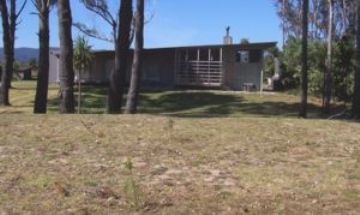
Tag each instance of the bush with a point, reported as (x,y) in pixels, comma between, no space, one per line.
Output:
(342,68)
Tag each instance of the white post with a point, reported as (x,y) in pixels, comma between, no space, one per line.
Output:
(221,55)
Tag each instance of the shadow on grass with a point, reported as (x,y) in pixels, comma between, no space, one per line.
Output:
(196,104)
(208,104)
(93,101)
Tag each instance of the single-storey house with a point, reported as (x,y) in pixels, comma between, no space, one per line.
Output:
(227,66)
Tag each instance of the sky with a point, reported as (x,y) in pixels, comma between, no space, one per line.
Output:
(172,23)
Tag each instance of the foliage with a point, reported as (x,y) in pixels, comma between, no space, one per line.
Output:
(244,41)
(33,63)
(82,54)
(343,66)
(269,64)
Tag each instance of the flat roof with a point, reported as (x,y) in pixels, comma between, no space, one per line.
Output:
(261,46)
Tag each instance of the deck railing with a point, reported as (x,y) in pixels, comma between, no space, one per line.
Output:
(200,73)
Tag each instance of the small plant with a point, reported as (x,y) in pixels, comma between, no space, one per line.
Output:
(131,188)
(169,128)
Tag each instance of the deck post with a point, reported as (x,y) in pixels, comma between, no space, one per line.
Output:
(176,67)
(222,66)
(197,65)
(187,65)
(209,65)
(221,55)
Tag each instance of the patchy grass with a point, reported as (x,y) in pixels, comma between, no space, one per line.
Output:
(190,152)
(75,165)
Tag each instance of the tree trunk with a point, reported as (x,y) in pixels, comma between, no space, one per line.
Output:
(66,58)
(8,55)
(40,105)
(133,94)
(328,74)
(304,56)
(356,98)
(122,46)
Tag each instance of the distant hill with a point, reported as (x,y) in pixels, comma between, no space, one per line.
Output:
(22,54)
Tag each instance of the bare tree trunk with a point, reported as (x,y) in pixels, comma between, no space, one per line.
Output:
(356,98)
(40,105)
(328,74)
(122,46)
(304,58)
(133,94)
(66,58)
(8,55)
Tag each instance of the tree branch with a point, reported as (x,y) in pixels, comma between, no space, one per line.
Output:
(91,32)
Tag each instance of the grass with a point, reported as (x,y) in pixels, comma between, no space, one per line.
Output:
(179,103)
(189,155)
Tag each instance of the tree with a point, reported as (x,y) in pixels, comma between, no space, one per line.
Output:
(244,41)
(9,16)
(82,61)
(121,36)
(133,94)
(328,74)
(304,59)
(356,98)
(43,9)
(66,57)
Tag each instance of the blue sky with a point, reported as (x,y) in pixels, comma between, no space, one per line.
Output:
(174,23)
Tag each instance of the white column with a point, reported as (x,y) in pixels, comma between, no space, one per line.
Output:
(221,55)
(209,67)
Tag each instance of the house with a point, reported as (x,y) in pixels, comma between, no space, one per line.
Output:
(226,66)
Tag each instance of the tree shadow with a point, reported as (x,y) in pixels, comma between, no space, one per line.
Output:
(198,104)
(209,104)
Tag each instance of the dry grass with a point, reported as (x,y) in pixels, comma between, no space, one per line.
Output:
(75,165)
(212,153)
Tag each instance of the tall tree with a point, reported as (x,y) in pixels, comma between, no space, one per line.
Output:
(121,36)
(9,16)
(356,98)
(82,61)
(304,60)
(133,94)
(43,9)
(328,74)
(66,57)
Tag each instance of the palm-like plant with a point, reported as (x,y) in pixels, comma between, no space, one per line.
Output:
(82,61)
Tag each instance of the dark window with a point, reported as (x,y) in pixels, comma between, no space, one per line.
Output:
(255,56)
(242,56)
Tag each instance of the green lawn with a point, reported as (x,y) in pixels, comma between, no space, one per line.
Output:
(191,103)
(195,152)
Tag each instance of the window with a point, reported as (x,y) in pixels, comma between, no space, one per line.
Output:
(242,56)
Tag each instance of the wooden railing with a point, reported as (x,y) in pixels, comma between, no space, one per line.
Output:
(200,73)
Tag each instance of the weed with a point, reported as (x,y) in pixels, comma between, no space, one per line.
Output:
(132,190)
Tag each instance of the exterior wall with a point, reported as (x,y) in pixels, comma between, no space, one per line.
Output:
(101,67)
(53,68)
(160,65)
(157,71)
(247,73)
(158,68)
(236,74)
